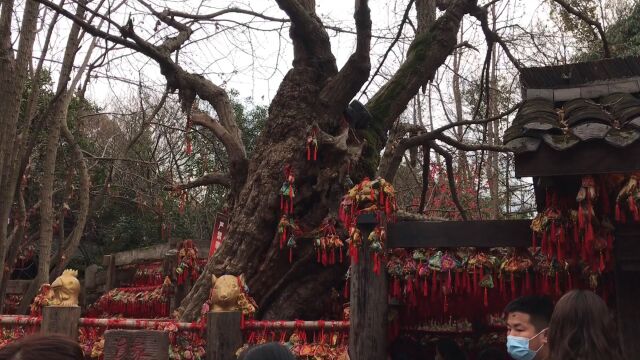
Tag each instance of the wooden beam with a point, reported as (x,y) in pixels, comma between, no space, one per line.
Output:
(477,233)
(585,158)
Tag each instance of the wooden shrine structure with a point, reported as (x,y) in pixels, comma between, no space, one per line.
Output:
(576,119)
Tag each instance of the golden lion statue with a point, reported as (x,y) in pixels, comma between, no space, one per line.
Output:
(66,289)
(228,294)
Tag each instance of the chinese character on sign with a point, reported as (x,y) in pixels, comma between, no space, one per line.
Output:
(217,236)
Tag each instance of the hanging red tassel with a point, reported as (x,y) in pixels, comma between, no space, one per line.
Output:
(618,212)
(580,217)
(602,264)
(569,281)
(457,282)
(486,297)
(558,292)
(528,282)
(434,284)
(376,264)
(449,282)
(475,281)
(346,289)
(291,198)
(513,286)
(308,152)
(425,287)
(324,257)
(340,251)
(396,291)
(544,243)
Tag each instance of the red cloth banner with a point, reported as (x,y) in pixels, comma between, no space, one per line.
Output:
(219,231)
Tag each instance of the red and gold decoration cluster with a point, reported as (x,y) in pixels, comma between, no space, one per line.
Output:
(188,264)
(368,197)
(322,344)
(134,302)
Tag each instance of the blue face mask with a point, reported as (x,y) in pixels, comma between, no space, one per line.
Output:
(518,347)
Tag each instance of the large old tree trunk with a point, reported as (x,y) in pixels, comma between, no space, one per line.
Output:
(284,290)
(313,93)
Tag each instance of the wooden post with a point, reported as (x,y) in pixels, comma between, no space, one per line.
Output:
(109,262)
(627,280)
(169,264)
(60,320)
(224,335)
(368,303)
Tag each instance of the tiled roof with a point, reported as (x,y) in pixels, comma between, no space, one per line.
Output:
(613,119)
(576,74)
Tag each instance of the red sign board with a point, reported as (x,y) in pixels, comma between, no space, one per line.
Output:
(219,231)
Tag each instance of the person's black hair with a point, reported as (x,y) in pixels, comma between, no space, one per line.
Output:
(404,348)
(492,353)
(268,351)
(37,347)
(539,309)
(450,350)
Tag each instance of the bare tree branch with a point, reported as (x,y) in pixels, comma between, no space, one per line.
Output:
(405,17)
(571,10)
(345,85)
(481,13)
(209,179)
(448,158)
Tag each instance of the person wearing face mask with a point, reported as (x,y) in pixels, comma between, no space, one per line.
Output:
(528,320)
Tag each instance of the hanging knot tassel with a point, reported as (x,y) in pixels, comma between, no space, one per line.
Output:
(618,212)
(376,264)
(425,287)
(434,284)
(486,297)
(544,243)
(475,281)
(580,217)
(324,257)
(308,152)
(602,263)
(457,282)
(633,208)
(291,198)
(346,289)
(528,282)
(558,292)
(381,196)
(396,292)
(513,286)
(449,282)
